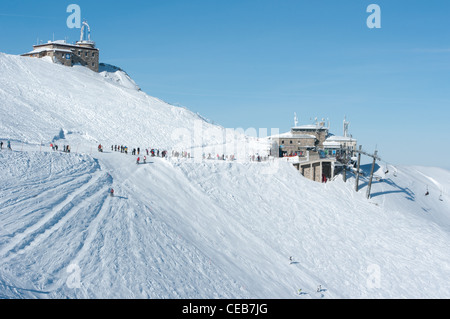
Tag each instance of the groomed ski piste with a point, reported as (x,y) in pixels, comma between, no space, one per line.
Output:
(191,228)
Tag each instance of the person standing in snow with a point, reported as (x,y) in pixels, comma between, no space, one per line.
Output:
(1,145)
(138,159)
(9,145)
(145,159)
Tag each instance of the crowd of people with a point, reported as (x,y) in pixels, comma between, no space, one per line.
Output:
(138,151)
(155,152)
(55,147)
(175,154)
(258,158)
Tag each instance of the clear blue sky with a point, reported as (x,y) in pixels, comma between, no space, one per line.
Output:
(253,63)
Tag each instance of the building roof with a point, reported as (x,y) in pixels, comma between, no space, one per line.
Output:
(293,136)
(65,44)
(310,127)
(334,138)
(331,144)
(36,51)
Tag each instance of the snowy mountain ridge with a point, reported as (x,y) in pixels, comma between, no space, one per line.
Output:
(190,228)
(106,107)
(117,75)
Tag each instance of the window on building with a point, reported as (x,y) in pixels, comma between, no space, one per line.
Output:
(282,142)
(79,52)
(85,54)
(93,64)
(290,142)
(93,54)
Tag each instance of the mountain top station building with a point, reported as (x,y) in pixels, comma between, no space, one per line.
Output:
(82,52)
(313,150)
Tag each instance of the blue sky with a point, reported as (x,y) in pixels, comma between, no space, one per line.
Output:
(253,63)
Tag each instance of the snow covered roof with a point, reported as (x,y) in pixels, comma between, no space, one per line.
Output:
(63,43)
(310,127)
(36,51)
(293,136)
(330,144)
(58,42)
(334,138)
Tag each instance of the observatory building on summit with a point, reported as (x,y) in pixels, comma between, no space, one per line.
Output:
(82,52)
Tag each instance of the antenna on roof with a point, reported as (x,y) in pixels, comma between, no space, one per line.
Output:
(346,124)
(295,120)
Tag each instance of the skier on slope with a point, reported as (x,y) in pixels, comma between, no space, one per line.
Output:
(138,159)
(111,192)
(9,145)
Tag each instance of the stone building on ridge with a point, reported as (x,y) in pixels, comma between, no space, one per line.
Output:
(82,53)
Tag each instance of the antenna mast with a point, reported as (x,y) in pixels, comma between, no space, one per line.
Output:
(346,124)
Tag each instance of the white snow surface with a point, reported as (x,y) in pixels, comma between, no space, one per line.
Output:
(185,228)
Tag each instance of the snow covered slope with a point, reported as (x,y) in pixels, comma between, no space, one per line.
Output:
(41,101)
(180,229)
(184,228)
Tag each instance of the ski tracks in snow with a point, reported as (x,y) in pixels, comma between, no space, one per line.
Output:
(56,217)
(66,222)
